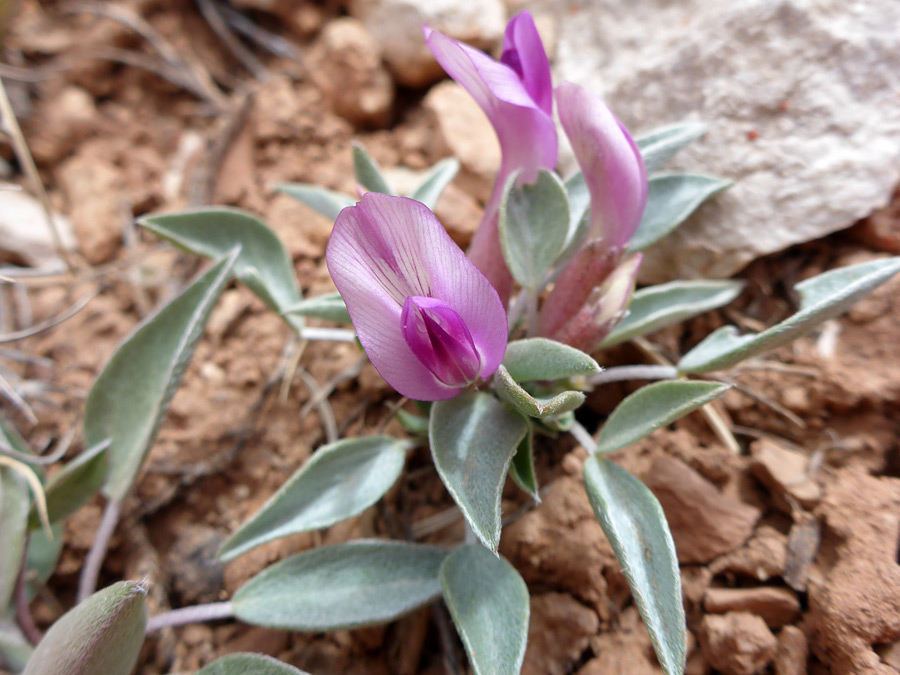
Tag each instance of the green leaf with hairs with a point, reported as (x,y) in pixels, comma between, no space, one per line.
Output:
(130,397)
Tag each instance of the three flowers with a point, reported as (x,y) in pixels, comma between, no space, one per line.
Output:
(433,321)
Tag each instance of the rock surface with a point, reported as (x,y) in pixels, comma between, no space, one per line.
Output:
(800,98)
(396,25)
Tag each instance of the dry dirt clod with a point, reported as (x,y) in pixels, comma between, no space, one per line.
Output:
(346,67)
(792,653)
(776,606)
(762,558)
(737,643)
(464,132)
(558,632)
(705,523)
(94,191)
(785,473)
(855,601)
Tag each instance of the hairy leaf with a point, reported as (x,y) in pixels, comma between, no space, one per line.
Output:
(542,359)
(359,583)
(102,634)
(670,200)
(339,481)
(822,297)
(473,439)
(656,307)
(653,407)
(660,145)
(636,527)
(489,604)
(130,397)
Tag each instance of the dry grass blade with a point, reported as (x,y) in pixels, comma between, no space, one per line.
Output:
(23,154)
(266,39)
(37,490)
(13,397)
(220,27)
(321,403)
(49,323)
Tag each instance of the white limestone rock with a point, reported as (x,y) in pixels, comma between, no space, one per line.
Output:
(397,27)
(802,99)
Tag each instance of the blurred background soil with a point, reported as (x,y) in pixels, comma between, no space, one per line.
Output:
(789,550)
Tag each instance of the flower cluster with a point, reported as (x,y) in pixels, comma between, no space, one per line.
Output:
(433,321)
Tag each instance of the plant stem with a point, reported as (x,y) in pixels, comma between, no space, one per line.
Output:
(583,437)
(637,372)
(179,617)
(531,307)
(335,334)
(87,584)
(23,613)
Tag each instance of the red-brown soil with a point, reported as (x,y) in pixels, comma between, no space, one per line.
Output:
(789,550)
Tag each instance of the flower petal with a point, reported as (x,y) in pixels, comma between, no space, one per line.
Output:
(522,45)
(610,161)
(518,103)
(386,249)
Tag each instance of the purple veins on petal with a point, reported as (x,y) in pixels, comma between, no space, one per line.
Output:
(430,322)
(440,339)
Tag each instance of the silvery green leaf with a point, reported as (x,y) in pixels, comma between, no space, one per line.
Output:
(368,174)
(43,554)
(636,527)
(74,485)
(656,307)
(671,198)
(429,190)
(653,407)
(579,214)
(263,264)
(327,202)
(660,145)
(359,583)
(249,664)
(130,397)
(15,650)
(533,406)
(329,306)
(102,634)
(533,224)
(489,605)
(522,468)
(14,505)
(821,297)
(542,359)
(473,439)
(414,424)
(339,481)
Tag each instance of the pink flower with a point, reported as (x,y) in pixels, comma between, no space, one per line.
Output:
(430,322)
(610,162)
(516,93)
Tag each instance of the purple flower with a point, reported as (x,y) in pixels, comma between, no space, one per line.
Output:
(430,322)
(610,162)
(516,93)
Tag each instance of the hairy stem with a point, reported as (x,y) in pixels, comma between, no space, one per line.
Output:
(638,372)
(180,617)
(334,334)
(583,437)
(87,584)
